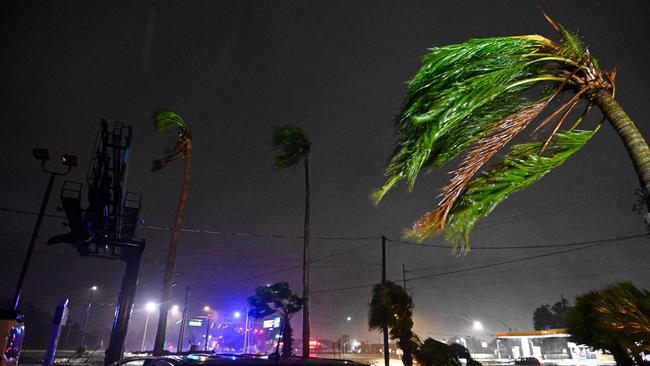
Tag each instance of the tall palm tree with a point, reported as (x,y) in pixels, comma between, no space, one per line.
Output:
(291,146)
(277,299)
(392,307)
(476,97)
(163,120)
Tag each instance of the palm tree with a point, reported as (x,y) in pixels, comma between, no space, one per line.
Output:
(615,319)
(392,307)
(163,120)
(277,299)
(475,97)
(291,146)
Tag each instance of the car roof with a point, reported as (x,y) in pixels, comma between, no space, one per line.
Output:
(209,359)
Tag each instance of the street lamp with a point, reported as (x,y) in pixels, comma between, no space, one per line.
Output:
(477,325)
(150,308)
(43,155)
(91,291)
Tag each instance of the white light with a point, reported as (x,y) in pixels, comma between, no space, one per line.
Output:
(94,288)
(175,309)
(151,306)
(237,314)
(477,325)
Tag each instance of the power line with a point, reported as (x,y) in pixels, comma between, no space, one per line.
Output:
(215,232)
(522,259)
(592,244)
(533,246)
(284,269)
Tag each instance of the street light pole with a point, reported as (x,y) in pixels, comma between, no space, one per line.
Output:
(149,308)
(144,334)
(246,332)
(43,155)
(90,303)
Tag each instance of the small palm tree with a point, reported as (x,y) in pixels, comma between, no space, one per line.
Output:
(281,300)
(164,120)
(475,97)
(291,146)
(392,307)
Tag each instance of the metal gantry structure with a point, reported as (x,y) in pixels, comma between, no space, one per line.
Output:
(106,227)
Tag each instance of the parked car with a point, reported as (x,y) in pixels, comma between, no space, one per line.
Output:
(528,361)
(210,359)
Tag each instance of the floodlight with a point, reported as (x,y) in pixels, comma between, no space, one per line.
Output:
(69,160)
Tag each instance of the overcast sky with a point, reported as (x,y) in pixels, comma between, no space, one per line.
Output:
(235,69)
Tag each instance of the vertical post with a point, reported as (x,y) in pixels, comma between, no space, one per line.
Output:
(383,280)
(181,333)
(144,333)
(60,318)
(115,348)
(90,303)
(306,330)
(32,243)
(246,333)
(207,333)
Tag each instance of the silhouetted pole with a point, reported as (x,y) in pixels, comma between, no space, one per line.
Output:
(90,304)
(43,155)
(125,300)
(383,280)
(207,333)
(181,334)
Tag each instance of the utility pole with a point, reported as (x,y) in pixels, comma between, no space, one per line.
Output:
(181,334)
(207,333)
(383,280)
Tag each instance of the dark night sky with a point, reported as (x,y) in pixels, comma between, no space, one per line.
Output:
(235,69)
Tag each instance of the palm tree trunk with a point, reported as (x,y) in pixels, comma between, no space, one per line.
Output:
(171,255)
(287,337)
(305,265)
(634,142)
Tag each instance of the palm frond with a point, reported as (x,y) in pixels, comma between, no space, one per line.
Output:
(165,118)
(497,136)
(572,46)
(291,145)
(522,167)
(457,92)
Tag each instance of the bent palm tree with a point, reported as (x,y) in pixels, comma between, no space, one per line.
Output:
(292,145)
(476,97)
(163,120)
(277,299)
(392,307)
(616,319)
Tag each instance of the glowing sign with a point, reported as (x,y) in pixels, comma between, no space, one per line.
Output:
(195,323)
(271,323)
